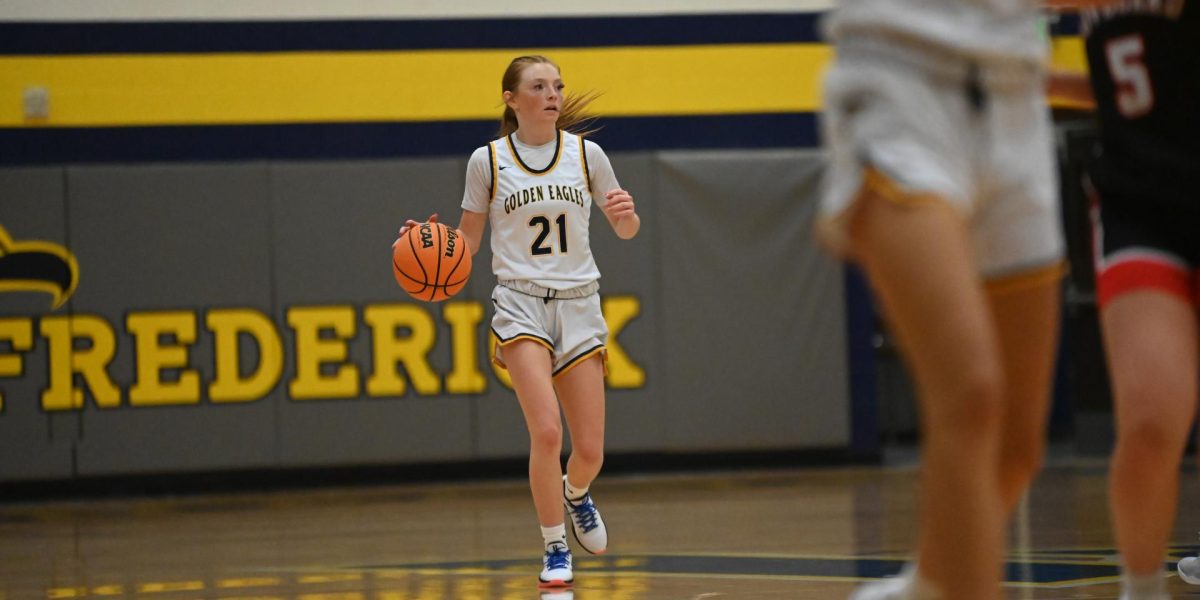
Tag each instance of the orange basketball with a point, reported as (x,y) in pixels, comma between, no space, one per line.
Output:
(431,262)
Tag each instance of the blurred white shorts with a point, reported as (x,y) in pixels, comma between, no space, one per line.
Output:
(979,142)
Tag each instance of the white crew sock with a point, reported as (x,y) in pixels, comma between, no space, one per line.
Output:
(1143,587)
(573,493)
(921,589)
(557,533)
(918,587)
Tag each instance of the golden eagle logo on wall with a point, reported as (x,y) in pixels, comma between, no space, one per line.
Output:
(37,266)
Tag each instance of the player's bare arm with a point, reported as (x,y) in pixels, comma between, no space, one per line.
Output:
(471,227)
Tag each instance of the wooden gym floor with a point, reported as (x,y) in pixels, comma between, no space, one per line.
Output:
(795,534)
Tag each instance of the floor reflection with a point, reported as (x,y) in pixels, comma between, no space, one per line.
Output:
(795,535)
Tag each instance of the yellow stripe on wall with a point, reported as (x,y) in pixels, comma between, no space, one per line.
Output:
(401,86)
(309,87)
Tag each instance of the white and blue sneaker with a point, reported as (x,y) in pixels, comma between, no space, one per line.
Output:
(586,522)
(556,567)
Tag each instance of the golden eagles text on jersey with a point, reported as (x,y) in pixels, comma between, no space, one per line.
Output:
(539,193)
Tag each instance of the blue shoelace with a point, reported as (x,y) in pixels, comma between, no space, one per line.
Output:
(558,557)
(584,514)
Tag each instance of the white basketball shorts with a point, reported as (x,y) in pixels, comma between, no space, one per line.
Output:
(571,328)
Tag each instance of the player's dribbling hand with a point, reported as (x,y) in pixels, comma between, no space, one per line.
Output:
(618,204)
(409,224)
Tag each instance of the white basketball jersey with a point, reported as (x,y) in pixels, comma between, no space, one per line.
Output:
(981,29)
(539,217)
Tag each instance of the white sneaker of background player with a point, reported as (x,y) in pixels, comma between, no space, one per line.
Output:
(905,585)
(892,588)
(1189,570)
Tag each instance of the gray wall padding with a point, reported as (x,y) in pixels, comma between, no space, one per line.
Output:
(740,331)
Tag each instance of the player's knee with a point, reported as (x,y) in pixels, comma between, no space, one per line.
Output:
(1021,461)
(546,436)
(973,406)
(590,455)
(1154,439)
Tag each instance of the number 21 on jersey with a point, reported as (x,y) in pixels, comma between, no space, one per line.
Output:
(541,245)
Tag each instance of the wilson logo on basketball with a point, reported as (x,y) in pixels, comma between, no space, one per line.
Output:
(451,238)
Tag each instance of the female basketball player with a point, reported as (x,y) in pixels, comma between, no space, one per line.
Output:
(1143,59)
(534,185)
(942,186)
